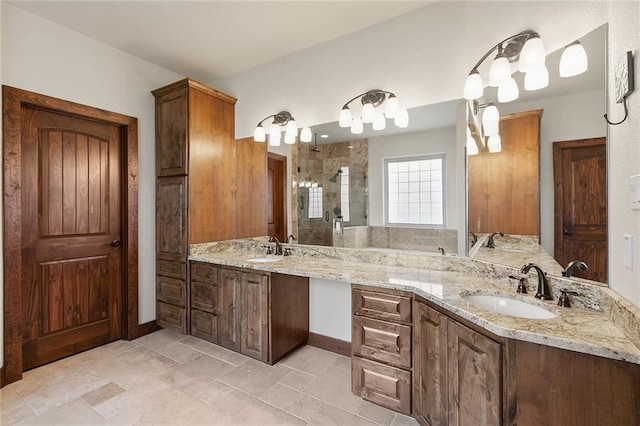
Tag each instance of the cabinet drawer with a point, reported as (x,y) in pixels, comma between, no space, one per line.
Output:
(381,384)
(382,341)
(171,290)
(204,325)
(381,305)
(174,317)
(172,269)
(204,296)
(204,273)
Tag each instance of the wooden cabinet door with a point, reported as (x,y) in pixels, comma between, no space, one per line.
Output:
(255,316)
(171,216)
(429,366)
(474,377)
(171,133)
(228,309)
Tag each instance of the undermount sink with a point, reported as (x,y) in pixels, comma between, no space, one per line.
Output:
(264,259)
(508,306)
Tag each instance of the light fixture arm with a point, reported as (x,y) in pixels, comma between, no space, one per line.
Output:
(281,118)
(513,47)
(374,96)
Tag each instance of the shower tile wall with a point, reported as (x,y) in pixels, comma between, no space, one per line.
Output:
(322,167)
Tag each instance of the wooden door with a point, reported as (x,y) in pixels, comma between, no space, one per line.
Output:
(429,366)
(580,180)
(254,309)
(71,215)
(474,377)
(277,201)
(228,309)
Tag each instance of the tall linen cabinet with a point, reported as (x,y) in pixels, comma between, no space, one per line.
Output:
(195,161)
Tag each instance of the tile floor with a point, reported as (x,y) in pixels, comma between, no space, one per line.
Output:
(169,378)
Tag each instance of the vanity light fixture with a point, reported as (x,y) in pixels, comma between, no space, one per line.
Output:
(370,101)
(281,120)
(528,50)
(472,147)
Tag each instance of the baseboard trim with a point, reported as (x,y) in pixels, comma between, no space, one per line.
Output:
(147,328)
(330,344)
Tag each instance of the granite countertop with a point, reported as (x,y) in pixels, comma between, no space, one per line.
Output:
(442,280)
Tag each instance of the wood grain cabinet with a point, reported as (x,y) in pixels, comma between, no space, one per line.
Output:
(259,314)
(381,347)
(457,372)
(194,189)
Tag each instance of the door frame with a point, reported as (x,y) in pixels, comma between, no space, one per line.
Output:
(13,101)
(282,160)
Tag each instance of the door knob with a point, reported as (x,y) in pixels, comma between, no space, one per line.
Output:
(567,232)
(115,243)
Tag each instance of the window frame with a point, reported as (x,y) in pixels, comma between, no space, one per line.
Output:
(385,167)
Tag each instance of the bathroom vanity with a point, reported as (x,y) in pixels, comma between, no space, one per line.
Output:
(421,348)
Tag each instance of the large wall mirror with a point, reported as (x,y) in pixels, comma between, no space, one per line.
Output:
(340,192)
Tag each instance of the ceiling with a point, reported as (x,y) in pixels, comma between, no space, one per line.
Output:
(208,40)
(212,39)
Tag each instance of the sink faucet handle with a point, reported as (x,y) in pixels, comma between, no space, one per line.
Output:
(522,284)
(563,300)
(268,249)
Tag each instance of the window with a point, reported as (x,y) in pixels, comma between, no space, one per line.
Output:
(315,202)
(414,190)
(344,193)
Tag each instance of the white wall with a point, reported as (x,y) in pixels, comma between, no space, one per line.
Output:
(437,141)
(624,151)
(570,117)
(423,56)
(43,57)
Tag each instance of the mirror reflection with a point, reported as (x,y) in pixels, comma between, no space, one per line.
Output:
(350,211)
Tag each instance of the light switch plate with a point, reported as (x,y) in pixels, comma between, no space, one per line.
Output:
(627,255)
(635,192)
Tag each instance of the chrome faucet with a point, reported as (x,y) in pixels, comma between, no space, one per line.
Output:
(575,263)
(292,237)
(490,242)
(543,291)
(278,250)
(441,250)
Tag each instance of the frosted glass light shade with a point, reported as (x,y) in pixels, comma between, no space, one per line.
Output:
(508,90)
(356,126)
(472,148)
(574,60)
(473,86)
(391,107)
(490,120)
(345,117)
(259,134)
(274,135)
(292,127)
(379,122)
(289,137)
(494,144)
(500,71)
(368,113)
(536,78)
(533,54)
(305,134)
(402,119)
